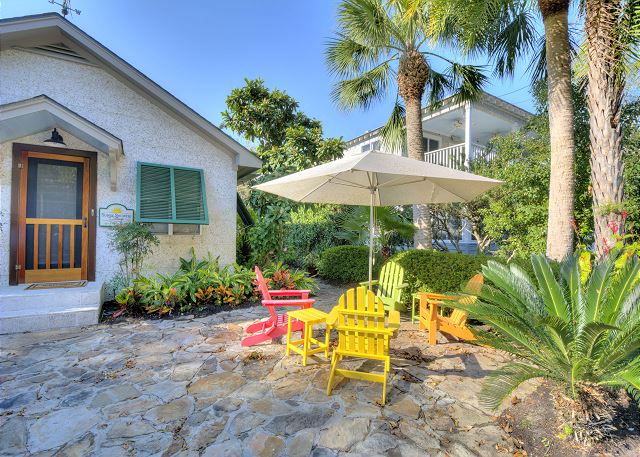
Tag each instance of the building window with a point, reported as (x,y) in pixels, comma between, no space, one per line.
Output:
(172,195)
(431,144)
(365,147)
(376,146)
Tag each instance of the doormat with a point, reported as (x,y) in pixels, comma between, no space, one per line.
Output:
(56,285)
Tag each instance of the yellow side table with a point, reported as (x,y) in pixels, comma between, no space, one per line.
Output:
(310,317)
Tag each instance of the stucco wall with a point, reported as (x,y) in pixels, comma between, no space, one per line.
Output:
(148,134)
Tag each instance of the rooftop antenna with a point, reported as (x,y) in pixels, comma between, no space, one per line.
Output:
(65,7)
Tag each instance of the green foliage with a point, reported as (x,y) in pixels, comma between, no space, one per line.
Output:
(436,271)
(393,227)
(310,230)
(347,264)
(287,139)
(514,214)
(198,282)
(280,277)
(266,236)
(134,242)
(578,333)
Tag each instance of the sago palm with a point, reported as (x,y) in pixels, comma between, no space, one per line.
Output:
(381,48)
(579,330)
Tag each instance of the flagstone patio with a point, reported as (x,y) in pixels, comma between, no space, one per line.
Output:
(186,387)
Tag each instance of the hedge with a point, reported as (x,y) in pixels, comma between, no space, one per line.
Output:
(346,264)
(436,271)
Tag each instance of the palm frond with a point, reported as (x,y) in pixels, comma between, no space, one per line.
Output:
(549,287)
(364,89)
(393,132)
(500,383)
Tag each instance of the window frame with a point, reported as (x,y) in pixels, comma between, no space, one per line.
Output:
(173,220)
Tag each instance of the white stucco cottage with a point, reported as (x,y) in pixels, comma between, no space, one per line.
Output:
(128,145)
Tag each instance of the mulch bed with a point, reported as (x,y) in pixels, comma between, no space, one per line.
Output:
(111,306)
(536,425)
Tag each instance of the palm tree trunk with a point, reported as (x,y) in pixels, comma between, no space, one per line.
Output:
(604,100)
(562,179)
(412,78)
(423,237)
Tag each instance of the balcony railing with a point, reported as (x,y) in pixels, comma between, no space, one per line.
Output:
(454,156)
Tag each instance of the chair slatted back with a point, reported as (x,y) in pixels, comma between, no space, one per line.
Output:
(361,323)
(473,287)
(264,290)
(391,276)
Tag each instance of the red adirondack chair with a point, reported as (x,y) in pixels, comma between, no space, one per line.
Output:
(276,325)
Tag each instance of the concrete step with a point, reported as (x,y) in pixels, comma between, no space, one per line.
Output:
(46,309)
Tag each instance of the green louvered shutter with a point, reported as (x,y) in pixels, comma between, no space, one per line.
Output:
(155,199)
(171,194)
(190,201)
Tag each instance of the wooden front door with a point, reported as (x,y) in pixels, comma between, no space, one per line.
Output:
(53,216)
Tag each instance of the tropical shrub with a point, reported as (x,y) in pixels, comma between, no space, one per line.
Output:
(347,264)
(581,331)
(198,282)
(134,242)
(436,271)
(310,230)
(279,276)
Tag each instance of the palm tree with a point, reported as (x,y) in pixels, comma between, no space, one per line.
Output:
(504,29)
(379,41)
(613,37)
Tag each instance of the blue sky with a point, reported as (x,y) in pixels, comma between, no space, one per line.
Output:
(199,50)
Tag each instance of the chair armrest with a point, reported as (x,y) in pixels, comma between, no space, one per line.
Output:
(374,282)
(332,318)
(402,286)
(394,320)
(296,302)
(290,293)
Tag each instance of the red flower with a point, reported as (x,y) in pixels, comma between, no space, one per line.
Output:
(613,225)
(574,225)
(606,245)
(624,215)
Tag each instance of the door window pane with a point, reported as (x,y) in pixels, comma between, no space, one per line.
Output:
(54,189)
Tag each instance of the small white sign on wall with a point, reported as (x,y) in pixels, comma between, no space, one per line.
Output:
(115,214)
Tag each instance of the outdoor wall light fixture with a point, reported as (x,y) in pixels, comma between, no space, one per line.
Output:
(56,138)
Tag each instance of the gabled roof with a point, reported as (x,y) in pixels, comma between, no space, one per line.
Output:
(33,115)
(51,33)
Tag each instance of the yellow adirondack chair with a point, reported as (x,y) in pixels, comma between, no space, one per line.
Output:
(456,323)
(390,285)
(359,319)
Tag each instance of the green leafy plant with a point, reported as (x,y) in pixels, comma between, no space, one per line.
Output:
(134,242)
(584,335)
(436,271)
(280,277)
(347,264)
(197,282)
(391,224)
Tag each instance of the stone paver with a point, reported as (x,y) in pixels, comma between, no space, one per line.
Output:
(186,387)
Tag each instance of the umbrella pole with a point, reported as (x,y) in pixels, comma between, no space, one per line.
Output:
(371,237)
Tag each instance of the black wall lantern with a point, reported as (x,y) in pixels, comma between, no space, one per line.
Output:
(55,138)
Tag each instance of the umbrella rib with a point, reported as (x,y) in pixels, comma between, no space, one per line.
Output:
(391,182)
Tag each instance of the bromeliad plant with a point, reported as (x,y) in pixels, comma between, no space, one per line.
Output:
(583,332)
(279,276)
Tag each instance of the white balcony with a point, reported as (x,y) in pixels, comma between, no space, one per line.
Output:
(455,156)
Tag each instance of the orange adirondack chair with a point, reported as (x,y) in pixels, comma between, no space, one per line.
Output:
(456,323)
(276,324)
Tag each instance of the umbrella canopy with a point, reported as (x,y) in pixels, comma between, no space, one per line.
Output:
(379,179)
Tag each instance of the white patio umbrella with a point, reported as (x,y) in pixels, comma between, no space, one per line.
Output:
(378,179)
